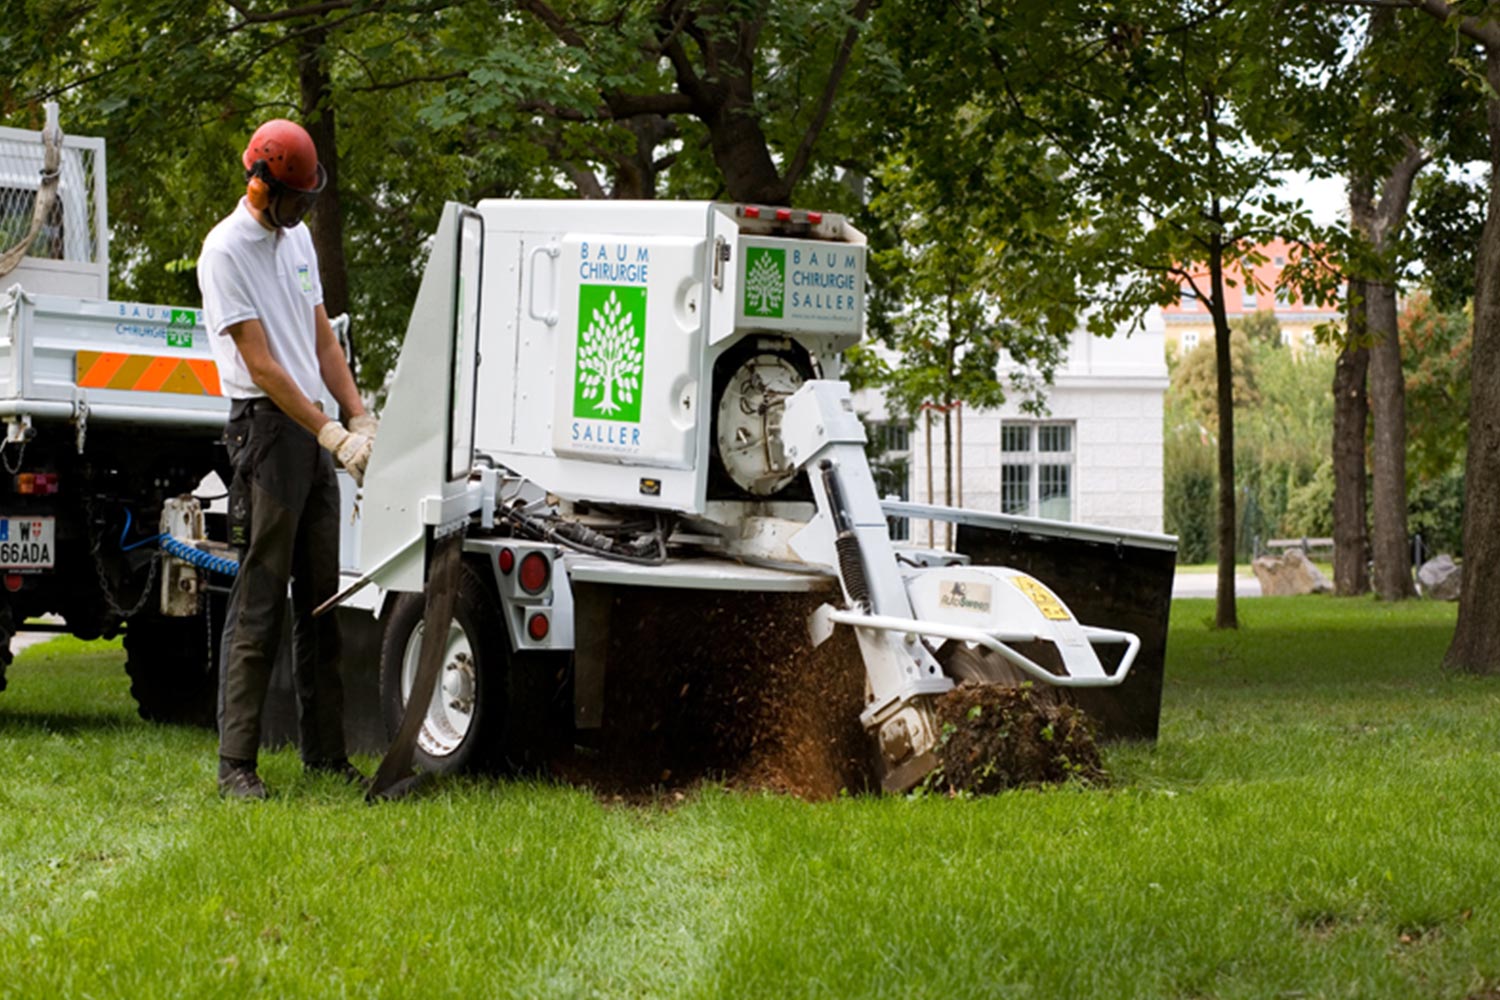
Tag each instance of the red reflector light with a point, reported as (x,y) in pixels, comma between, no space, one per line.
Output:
(752,211)
(537,626)
(506,560)
(26,483)
(815,217)
(13,582)
(535,571)
(783,215)
(46,483)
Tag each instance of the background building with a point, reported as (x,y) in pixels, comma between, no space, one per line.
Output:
(1096,457)
(1189,324)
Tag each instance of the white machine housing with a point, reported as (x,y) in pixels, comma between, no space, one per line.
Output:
(590,307)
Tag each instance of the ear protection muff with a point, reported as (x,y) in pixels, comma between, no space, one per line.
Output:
(258,186)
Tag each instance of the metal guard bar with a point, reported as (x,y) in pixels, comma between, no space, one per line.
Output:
(996,641)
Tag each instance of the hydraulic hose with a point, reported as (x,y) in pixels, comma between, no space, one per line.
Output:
(197,557)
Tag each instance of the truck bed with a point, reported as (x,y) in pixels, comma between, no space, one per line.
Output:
(64,358)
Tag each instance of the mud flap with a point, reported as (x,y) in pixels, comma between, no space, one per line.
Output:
(395,778)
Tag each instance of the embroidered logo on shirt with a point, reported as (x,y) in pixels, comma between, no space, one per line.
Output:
(306,276)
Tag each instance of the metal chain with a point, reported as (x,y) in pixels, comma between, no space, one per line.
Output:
(206,608)
(20,457)
(105,587)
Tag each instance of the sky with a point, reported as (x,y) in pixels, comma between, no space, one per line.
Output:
(1325,197)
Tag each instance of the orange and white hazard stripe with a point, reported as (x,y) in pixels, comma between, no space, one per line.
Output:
(147,373)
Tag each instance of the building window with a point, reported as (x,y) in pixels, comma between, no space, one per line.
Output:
(1015,489)
(1249,298)
(1036,474)
(889,450)
(1189,341)
(1279,260)
(1283,298)
(1189,296)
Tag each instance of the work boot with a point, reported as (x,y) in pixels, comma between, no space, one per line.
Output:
(238,780)
(340,769)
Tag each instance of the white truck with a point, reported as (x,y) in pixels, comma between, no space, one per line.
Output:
(108,410)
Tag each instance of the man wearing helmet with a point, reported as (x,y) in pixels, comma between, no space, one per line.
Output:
(276,352)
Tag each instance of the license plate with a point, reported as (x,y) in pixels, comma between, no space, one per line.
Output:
(27,543)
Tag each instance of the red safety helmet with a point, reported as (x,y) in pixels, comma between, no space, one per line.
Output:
(282,173)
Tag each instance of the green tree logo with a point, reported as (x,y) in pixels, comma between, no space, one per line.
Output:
(765,281)
(611,352)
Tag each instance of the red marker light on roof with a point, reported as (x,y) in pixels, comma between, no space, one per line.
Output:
(783,215)
(815,217)
(752,211)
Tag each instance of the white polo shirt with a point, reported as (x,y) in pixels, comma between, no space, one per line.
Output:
(249,272)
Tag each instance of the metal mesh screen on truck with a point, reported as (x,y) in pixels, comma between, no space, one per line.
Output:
(70,230)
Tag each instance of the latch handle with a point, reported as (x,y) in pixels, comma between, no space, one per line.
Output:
(550,315)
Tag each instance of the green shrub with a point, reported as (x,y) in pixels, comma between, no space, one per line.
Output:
(1309,510)
(1190,498)
(1435,510)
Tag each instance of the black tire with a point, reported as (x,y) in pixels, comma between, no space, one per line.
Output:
(173,666)
(492,726)
(7,630)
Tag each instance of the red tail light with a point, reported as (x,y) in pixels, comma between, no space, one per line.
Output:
(535,572)
(537,626)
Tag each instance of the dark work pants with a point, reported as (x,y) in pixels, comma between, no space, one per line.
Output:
(284,516)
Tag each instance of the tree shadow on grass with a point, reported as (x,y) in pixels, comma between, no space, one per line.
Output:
(23,722)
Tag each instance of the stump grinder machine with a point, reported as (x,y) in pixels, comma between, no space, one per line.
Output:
(594,396)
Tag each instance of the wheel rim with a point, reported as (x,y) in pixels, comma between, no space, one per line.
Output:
(450,714)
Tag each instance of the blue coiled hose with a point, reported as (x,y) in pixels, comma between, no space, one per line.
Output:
(197,557)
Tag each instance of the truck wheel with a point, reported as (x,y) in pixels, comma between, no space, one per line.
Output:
(173,667)
(464,728)
(7,630)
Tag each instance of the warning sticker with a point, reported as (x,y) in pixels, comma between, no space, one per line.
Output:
(1046,602)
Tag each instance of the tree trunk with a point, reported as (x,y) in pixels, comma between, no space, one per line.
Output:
(1351,413)
(1380,225)
(958,433)
(1226,614)
(948,469)
(743,156)
(1476,641)
(931,527)
(327,219)
(1389,544)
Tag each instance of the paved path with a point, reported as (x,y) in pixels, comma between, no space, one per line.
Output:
(21,640)
(1206,584)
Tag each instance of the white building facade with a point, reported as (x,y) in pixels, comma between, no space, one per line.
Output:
(1094,458)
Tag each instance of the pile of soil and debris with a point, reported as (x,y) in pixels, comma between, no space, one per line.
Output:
(727,687)
(999,737)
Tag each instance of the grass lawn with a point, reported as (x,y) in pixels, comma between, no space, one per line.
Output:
(1319,819)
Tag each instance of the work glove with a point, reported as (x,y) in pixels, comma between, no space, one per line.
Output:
(351,450)
(366,423)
